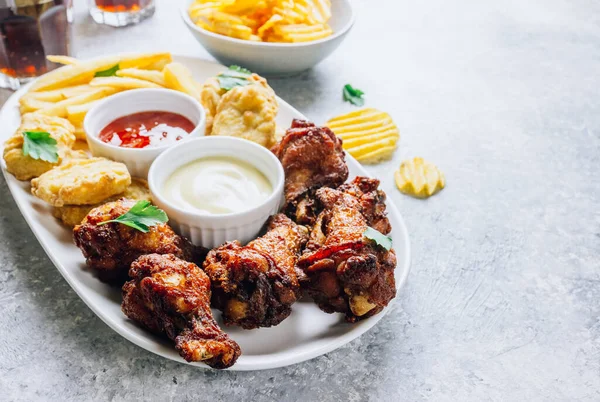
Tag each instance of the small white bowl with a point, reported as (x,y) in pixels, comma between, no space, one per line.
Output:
(274,58)
(208,230)
(138,160)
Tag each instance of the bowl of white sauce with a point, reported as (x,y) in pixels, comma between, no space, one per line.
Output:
(217,189)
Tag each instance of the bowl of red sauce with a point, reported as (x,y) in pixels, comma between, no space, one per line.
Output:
(136,126)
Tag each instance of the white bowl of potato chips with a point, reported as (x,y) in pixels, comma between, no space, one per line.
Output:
(273,38)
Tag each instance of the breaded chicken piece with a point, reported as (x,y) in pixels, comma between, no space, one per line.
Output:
(72,215)
(211,94)
(25,167)
(110,249)
(81,182)
(248,112)
(312,158)
(170,296)
(255,285)
(346,272)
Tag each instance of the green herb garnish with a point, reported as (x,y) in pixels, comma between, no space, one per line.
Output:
(141,216)
(235,76)
(109,72)
(39,145)
(379,238)
(353,95)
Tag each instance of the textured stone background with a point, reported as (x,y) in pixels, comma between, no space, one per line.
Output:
(503,298)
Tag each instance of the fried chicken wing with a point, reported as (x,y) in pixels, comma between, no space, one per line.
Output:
(255,285)
(312,157)
(346,272)
(111,248)
(371,200)
(170,296)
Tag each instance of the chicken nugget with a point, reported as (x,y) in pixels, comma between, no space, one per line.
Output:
(210,96)
(24,167)
(247,112)
(81,182)
(72,215)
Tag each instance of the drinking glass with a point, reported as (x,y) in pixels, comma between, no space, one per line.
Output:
(119,13)
(29,31)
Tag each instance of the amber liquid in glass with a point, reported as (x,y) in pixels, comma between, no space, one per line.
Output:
(28,32)
(119,6)
(119,13)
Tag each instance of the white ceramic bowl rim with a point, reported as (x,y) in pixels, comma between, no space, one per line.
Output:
(156,190)
(186,17)
(93,136)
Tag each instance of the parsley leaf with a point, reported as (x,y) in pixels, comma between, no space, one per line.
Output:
(379,238)
(109,72)
(39,145)
(353,95)
(235,76)
(141,216)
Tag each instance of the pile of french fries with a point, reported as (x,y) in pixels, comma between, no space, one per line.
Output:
(73,89)
(264,20)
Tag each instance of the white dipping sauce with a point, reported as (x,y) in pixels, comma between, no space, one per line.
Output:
(217,185)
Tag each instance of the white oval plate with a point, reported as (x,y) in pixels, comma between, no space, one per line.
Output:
(306,334)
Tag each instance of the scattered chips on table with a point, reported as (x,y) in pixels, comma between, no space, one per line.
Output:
(264,20)
(419,178)
(369,135)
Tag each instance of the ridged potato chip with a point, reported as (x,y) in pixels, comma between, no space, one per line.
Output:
(419,178)
(369,135)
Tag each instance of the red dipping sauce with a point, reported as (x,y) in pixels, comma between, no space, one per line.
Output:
(146,130)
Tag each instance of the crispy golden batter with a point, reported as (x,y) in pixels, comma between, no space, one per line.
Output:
(312,157)
(172,297)
(346,272)
(211,94)
(81,181)
(72,215)
(24,167)
(109,249)
(256,285)
(247,112)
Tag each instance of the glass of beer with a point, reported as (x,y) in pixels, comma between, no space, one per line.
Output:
(29,31)
(119,13)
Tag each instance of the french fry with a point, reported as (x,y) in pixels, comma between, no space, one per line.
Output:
(368,134)
(60,108)
(122,83)
(79,133)
(46,96)
(76,113)
(419,178)
(156,77)
(69,92)
(179,77)
(144,60)
(31,105)
(66,60)
(158,65)
(74,74)
(255,20)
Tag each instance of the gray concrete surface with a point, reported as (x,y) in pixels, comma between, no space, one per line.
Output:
(502,302)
